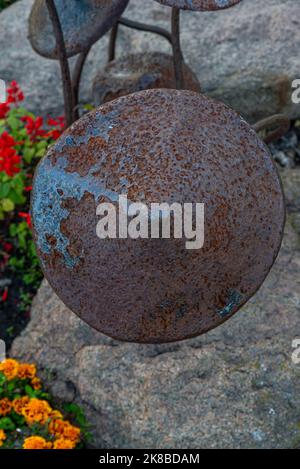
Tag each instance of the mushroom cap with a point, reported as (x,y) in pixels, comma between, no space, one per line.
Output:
(83,23)
(158,146)
(200,5)
(137,72)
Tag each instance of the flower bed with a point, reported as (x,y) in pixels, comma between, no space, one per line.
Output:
(28,419)
(24,139)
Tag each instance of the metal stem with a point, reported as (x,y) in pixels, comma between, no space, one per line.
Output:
(146,27)
(177,53)
(278,122)
(64,64)
(77,73)
(113,42)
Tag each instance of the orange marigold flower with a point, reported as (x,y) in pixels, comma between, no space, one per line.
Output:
(72,433)
(26,371)
(64,443)
(36,411)
(36,442)
(9,368)
(19,404)
(2,436)
(57,427)
(63,429)
(5,406)
(36,384)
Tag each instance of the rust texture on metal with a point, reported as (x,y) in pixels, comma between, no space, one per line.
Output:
(83,23)
(200,5)
(137,72)
(158,146)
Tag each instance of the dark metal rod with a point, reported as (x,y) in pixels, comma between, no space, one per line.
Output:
(177,53)
(64,64)
(77,73)
(146,27)
(279,123)
(113,42)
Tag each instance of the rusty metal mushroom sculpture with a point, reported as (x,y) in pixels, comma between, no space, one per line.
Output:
(60,29)
(200,5)
(137,72)
(196,5)
(158,146)
(83,22)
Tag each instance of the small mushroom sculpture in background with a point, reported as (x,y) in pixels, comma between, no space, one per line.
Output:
(137,72)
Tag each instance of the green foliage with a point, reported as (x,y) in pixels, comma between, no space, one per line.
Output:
(5,3)
(25,262)
(24,140)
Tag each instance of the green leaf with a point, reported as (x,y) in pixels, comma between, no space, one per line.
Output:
(4,190)
(16,198)
(28,154)
(8,205)
(7,424)
(29,391)
(2,379)
(11,386)
(13,122)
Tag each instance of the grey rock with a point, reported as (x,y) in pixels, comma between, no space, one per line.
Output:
(281,158)
(246,56)
(235,387)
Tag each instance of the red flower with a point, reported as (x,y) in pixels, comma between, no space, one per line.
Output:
(15,95)
(4,108)
(34,127)
(26,217)
(9,160)
(58,124)
(7,247)
(28,189)
(7,141)
(4,295)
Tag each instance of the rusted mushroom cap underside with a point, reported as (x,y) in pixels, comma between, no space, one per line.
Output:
(137,72)
(83,23)
(158,146)
(200,5)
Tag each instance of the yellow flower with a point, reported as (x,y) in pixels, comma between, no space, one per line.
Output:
(36,411)
(19,404)
(2,437)
(36,442)
(9,368)
(64,443)
(26,371)
(36,384)
(5,406)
